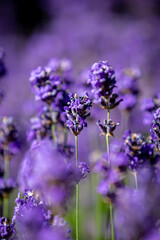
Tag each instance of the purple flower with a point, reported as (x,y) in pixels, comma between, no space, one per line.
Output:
(43,85)
(76,112)
(61,68)
(8,137)
(102,80)
(28,202)
(155,130)
(45,170)
(148,107)
(81,171)
(7,231)
(2,64)
(127,87)
(108,127)
(138,150)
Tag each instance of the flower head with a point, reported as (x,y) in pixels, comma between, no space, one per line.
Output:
(103,81)
(138,150)
(128,88)
(46,170)
(2,64)
(8,137)
(77,111)
(108,127)
(155,130)
(44,87)
(7,231)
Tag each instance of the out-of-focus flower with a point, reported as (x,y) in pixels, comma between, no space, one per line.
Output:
(2,64)
(8,137)
(77,111)
(61,68)
(138,150)
(81,171)
(155,130)
(107,128)
(61,225)
(7,231)
(145,200)
(111,177)
(127,87)
(30,215)
(43,86)
(149,106)
(47,115)
(102,80)
(46,170)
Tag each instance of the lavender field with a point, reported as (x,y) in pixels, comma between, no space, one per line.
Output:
(79,120)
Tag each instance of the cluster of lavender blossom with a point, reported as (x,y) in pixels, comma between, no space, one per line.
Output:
(126,175)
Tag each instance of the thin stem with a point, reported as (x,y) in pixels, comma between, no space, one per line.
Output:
(54,133)
(98,215)
(6,168)
(109,165)
(111,221)
(6,175)
(136,180)
(77,194)
(53,127)
(5,206)
(107,138)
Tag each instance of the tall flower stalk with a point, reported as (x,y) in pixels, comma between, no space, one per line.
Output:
(77,111)
(103,81)
(77,193)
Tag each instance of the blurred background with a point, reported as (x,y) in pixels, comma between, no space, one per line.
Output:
(124,32)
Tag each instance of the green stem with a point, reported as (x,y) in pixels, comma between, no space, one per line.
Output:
(109,165)
(6,198)
(54,133)
(111,219)
(77,194)
(5,206)
(6,168)
(136,180)
(98,217)
(107,138)
(53,127)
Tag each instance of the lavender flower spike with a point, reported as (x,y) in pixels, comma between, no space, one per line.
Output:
(155,130)
(107,128)
(103,81)
(77,111)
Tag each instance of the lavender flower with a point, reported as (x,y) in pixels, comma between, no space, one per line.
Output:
(61,68)
(155,130)
(81,171)
(43,85)
(47,115)
(138,150)
(45,170)
(149,106)
(2,64)
(127,87)
(76,112)
(111,178)
(7,231)
(8,137)
(108,127)
(102,80)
